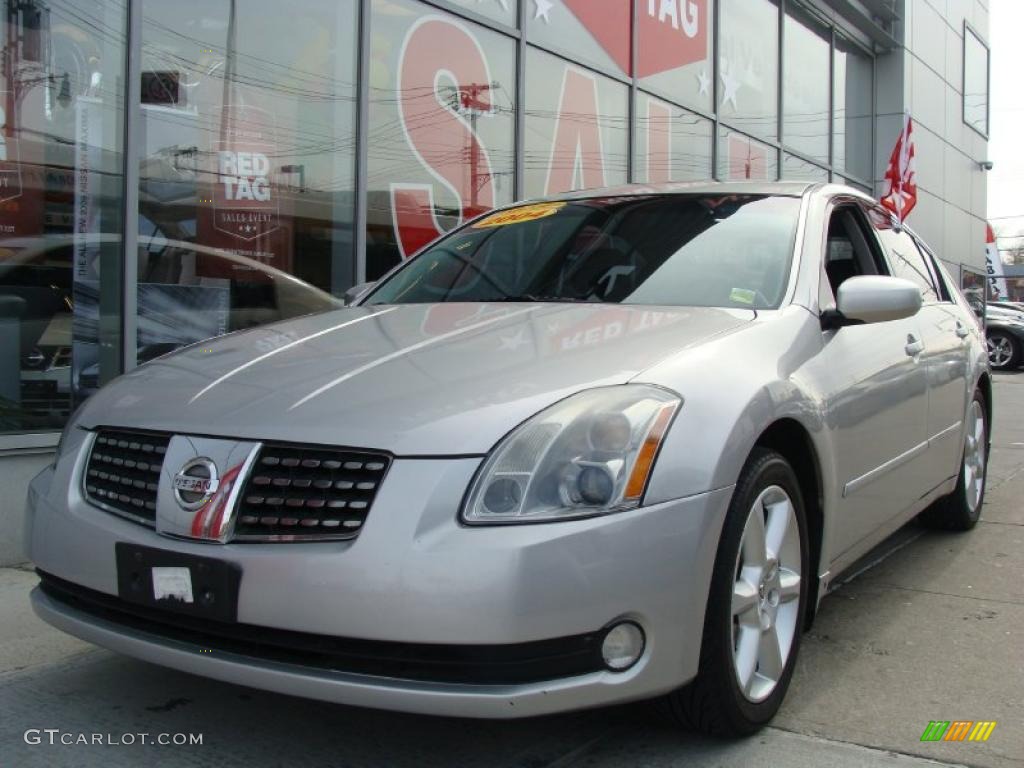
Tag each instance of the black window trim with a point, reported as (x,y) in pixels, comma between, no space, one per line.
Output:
(944,293)
(904,230)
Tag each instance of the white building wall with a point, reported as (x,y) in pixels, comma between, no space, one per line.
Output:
(926,75)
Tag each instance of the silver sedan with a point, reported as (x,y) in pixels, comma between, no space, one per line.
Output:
(611,446)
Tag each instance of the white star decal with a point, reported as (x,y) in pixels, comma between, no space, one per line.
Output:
(730,87)
(705,82)
(513,342)
(543,9)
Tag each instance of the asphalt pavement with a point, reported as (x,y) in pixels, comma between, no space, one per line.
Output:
(932,629)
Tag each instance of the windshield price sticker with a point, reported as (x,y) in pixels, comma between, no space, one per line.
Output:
(519,215)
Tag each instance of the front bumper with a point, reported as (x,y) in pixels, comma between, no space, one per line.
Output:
(415,576)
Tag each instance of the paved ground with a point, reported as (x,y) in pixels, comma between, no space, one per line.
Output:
(935,631)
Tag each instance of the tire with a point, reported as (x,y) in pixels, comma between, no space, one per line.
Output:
(960,510)
(1003,351)
(714,702)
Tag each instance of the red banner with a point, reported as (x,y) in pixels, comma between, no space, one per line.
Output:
(747,160)
(438,115)
(672,33)
(21,177)
(577,157)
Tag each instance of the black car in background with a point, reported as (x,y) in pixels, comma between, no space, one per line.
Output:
(1004,330)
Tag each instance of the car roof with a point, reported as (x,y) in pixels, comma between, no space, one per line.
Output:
(784,188)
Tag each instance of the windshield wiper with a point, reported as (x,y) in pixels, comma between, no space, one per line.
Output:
(527,297)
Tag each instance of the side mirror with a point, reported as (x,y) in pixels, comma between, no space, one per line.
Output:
(874,299)
(352,294)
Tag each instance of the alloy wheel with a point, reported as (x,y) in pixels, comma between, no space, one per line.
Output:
(766,594)
(1000,351)
(974,456)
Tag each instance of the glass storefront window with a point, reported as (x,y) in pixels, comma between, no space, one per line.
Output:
(595,32)
(671,143)
(504,11)
(577,126)
(442,126)
(61,161)
(805,118)
(975,81)
(741,158)
(852,126)
(674,49)
(851,183)
(748,64)
(246,175)
(798,169)
(248,143)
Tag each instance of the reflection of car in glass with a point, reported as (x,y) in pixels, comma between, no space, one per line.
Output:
(1004,331)
(1013,306)
(177,306)
(605,447)
(88,380)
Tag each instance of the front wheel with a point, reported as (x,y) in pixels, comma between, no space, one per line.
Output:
(755,606)
(961,509)
(1003,351)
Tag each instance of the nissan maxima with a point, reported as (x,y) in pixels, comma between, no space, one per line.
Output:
(598,448)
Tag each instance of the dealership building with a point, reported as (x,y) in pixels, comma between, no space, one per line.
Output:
(170,171)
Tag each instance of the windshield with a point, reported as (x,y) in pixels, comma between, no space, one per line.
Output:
(674,250)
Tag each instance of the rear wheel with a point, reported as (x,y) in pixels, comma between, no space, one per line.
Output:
(755,606)
(1003,351)
(961,509)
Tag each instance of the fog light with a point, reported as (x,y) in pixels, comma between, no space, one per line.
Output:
(623,646)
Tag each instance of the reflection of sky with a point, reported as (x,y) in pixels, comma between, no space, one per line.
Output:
(181,313)
(310,88)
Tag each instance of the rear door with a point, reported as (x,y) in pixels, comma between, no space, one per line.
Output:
(946,338)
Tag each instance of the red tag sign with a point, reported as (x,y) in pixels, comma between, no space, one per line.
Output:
(671,33)
(244,205)
(240,211)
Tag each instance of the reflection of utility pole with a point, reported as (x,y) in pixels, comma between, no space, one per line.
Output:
(469,98)
(229,73)
(27,24)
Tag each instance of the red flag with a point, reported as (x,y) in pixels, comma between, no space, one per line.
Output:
(901,196)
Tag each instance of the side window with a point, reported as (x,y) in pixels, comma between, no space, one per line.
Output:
(848,251)
(906,260)
(943,285)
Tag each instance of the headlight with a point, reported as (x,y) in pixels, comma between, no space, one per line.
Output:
(590,454)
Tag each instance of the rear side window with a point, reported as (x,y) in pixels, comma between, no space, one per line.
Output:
(906,260)
(942,283)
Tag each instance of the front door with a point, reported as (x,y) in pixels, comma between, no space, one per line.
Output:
(876,397)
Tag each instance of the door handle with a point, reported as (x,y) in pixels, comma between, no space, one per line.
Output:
(914,346)
(961,330)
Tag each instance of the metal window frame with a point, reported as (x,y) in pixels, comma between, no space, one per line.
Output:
(130,199)
(969,29)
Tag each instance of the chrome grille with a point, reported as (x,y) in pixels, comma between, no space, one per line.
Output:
(123,471)
(308,492)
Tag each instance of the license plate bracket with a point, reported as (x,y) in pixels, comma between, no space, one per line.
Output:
(214,583)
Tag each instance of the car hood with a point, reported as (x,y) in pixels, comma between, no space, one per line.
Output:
(424,379)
